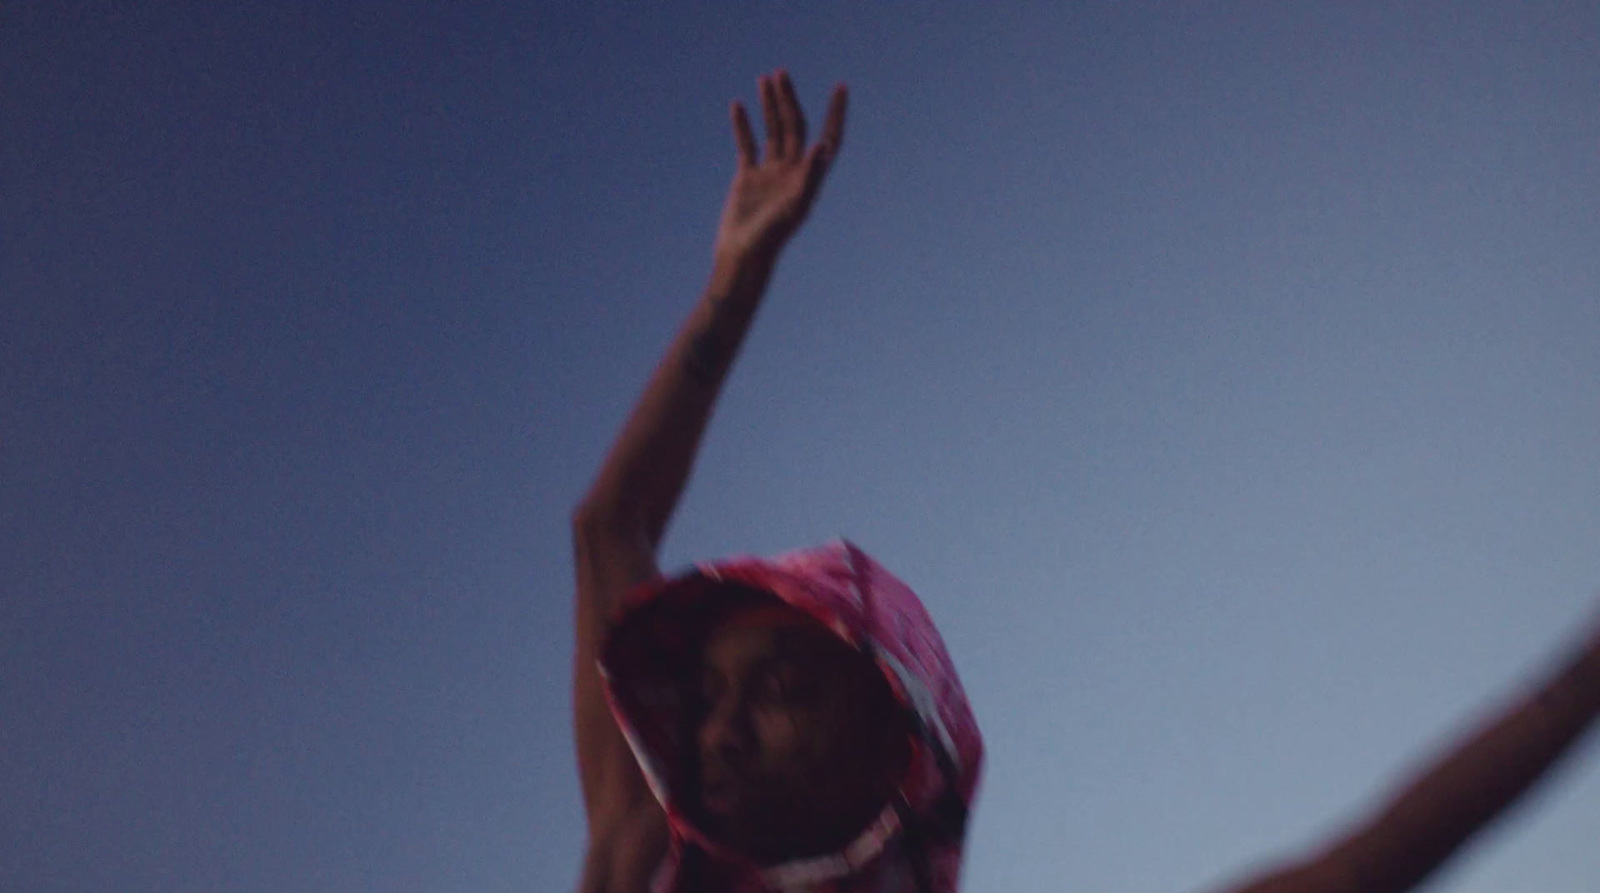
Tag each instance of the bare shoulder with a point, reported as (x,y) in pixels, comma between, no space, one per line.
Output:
(624,855)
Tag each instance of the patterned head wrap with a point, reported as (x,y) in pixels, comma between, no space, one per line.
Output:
(915,844)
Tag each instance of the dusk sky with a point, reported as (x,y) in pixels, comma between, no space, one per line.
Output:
(1225,377)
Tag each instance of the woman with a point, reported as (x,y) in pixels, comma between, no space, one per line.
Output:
(795,723)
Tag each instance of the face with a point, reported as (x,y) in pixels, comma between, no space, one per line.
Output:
(799,740)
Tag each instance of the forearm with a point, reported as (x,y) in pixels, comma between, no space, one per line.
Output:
(1465,790)
(645,472)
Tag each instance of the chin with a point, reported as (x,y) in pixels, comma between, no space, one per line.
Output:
(723,823)
(741,833)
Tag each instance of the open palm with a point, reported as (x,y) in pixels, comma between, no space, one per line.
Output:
(772,192)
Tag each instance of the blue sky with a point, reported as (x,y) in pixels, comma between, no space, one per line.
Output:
(1223,376)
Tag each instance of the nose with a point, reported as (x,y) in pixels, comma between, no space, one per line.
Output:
(727,732)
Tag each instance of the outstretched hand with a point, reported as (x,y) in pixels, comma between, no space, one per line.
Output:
(773,191)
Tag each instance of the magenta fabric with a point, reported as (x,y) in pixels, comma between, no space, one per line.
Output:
(656,639)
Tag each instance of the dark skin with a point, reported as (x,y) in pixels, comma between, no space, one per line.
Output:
(618,526)
(769,750)
(795,751)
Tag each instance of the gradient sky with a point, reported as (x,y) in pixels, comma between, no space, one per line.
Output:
(1225,377)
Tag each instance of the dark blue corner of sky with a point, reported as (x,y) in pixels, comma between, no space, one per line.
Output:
(275,326)
(1222,376)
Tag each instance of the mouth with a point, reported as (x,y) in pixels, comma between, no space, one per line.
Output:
(719,796)
(720,803)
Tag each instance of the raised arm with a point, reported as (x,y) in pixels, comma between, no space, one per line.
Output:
(620,522)
(1429,819)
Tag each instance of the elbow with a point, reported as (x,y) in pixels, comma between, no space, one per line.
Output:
(603,520)
(592,519)
(587,515)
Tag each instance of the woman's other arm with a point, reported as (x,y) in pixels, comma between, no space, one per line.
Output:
(1473,782)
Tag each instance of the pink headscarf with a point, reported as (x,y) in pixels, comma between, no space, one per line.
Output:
(915,844)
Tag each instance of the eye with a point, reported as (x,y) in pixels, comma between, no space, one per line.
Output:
(774,687)
(786,684)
